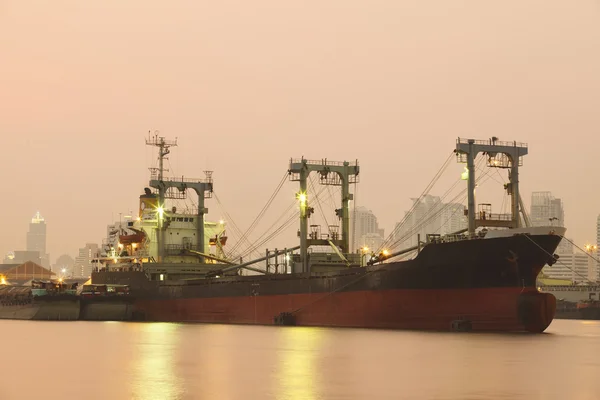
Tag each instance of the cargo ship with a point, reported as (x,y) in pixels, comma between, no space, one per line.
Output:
(52,300)
(481,278)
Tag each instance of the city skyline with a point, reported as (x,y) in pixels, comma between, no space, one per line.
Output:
(394,93)
(451,213)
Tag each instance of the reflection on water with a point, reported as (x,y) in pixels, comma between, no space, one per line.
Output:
(123,361)
(297,377)
(152,365)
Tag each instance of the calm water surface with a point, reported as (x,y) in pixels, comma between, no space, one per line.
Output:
(103,360)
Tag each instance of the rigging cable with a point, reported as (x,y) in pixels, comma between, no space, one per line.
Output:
(425,192)
(262,212)
(436,212)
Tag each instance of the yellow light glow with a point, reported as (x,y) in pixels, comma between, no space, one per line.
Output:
(364,249)
(2,281)
(302,197)
(160,211)
(221,222)
(386,252)
(465,174)
(138,219)
(120,245)
(134,245)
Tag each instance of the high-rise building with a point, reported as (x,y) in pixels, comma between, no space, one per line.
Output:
(546,210)
(575,267)
(364,228)
(424,219)
(83,262)
(453,218)
(36,239)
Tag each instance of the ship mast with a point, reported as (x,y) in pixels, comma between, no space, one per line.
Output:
(330,173)
(175,188)
(158,175)
(499,154)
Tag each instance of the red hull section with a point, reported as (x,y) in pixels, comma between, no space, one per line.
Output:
(490,309)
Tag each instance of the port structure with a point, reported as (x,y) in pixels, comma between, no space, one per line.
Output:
(333,173)
(202,187)
(508,155)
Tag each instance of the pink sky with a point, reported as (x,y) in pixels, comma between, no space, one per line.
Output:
(247,85)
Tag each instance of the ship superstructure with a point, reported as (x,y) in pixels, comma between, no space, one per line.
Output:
(162,238)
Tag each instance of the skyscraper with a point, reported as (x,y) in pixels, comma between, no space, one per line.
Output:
(83,262)
(36,238)
(364,228)
(546,210)
(425,218)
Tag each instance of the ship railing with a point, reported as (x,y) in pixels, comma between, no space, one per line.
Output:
(324,162)
(154,177)
(177,249)
(483,216)
(491,142)
(191,211)
(570,288)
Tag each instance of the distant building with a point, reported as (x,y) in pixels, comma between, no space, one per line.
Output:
(36,238)
(64,262)
(20,257)
(83,262)
(453,218)
(546,210)
(429,216)
(14,273)
(364,227)
(424,218)
(575,267)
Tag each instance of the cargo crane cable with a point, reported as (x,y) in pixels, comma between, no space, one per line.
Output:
(252,247)
(262,212)
(429,217)
(235,229)
(320,201)
(273,234)
(584,251)
(260,241)
(331,198)
(557,260)
(423,194)
(286,224)
(312,187)
(260,215)
(290,219)
(426,219)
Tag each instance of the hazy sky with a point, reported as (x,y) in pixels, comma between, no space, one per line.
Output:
(245,85)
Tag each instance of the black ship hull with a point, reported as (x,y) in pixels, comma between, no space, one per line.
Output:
(479,284)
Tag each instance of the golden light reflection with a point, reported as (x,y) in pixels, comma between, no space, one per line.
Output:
(153,365)
(297,377)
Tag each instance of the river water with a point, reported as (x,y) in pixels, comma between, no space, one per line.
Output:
(109,360)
